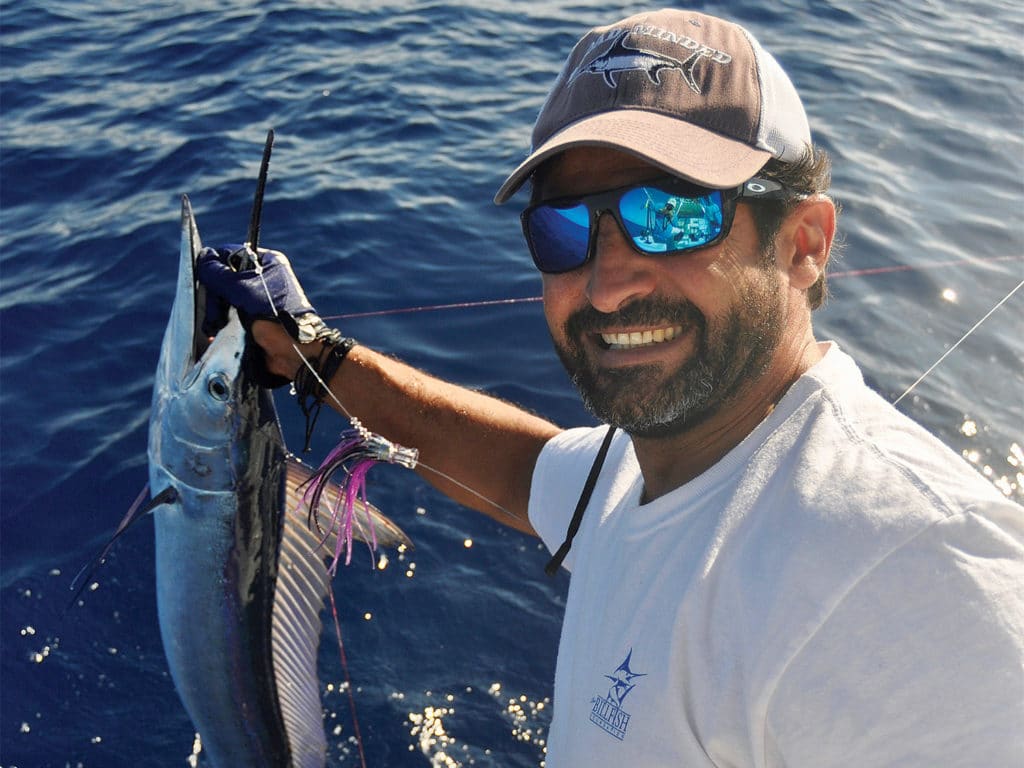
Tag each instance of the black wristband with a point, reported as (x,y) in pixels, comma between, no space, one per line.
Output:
(312,384)
(335,355)
(313,379)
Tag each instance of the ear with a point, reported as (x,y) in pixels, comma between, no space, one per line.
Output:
(806,242)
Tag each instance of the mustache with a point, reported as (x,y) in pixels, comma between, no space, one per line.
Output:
(650,312)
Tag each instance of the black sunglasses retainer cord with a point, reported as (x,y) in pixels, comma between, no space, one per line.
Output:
(588,490)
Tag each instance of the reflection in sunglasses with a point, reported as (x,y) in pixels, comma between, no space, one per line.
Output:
(664,216)
(658,221)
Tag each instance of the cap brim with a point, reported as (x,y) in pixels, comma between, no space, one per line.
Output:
(680,148)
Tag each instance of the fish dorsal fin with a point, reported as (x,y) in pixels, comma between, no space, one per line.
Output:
(302,584)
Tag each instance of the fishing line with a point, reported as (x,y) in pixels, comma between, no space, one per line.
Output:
(434,308)
(864,272)
(532,299)
(867,271)
(356,423)
(348,679)
(251,248)
(386,448)
(962,338)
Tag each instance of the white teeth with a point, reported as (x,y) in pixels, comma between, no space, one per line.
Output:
(641,338)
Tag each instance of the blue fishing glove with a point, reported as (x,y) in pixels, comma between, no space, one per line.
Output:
(232,280)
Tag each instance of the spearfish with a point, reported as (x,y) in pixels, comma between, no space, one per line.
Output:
(241,577)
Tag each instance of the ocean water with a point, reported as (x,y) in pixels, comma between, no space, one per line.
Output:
(395,124)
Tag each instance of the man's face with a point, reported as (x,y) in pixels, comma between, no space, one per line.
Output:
(657,345)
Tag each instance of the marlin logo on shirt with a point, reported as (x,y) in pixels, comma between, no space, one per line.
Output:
(606,711)
(621,57)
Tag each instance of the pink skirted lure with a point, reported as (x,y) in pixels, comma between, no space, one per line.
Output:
(356,452)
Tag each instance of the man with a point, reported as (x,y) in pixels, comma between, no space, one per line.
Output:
(770,565)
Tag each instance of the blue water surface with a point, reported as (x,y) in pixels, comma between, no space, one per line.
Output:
(395,124)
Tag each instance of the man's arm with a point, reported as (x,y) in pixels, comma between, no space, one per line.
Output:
(485,444)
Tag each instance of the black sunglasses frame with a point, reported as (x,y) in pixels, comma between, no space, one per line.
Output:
(607,201)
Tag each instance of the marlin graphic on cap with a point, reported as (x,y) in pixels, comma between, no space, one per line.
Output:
(625,58)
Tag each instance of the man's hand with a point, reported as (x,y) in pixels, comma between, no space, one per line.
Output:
(267,291)
(279,355)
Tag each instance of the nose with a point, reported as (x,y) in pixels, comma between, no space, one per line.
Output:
(618,274)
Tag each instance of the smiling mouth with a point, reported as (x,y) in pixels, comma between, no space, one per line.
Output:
(637,339)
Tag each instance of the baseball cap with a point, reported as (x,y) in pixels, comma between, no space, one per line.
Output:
(693,94)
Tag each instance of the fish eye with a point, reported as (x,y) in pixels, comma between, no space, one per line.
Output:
(218,386)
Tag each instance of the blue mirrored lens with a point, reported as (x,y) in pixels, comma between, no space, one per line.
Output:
(658,221)
(655,219)
(559,236)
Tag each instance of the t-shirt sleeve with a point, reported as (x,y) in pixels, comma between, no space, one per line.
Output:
(921,663)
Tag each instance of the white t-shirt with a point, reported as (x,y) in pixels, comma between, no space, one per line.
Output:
(841,589)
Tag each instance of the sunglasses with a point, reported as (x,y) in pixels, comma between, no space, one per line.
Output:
(661,217)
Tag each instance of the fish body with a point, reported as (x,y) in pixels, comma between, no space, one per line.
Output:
(240,578)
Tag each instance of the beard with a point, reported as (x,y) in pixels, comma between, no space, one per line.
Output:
(731,351)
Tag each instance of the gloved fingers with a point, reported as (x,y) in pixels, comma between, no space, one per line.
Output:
(214,271)
(282,282)
(215,315)
(268,290)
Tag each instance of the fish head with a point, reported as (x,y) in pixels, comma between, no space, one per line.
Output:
(205,397)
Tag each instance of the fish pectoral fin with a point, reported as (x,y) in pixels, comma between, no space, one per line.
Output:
(166,496)
(373,525)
